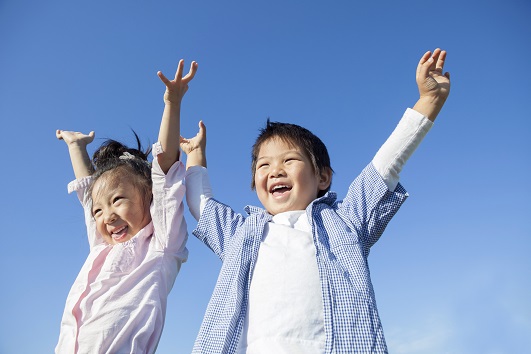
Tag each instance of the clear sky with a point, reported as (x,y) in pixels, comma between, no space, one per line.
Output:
(452,272)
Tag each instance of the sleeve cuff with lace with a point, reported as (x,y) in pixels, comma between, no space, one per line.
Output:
(399,147)
(79,184)
(156,149)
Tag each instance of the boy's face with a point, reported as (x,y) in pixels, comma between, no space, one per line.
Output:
(119,208)
(285,179)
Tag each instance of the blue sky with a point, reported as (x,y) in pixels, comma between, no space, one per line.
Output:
(452,273)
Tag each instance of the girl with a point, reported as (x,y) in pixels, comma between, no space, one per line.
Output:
(137,236)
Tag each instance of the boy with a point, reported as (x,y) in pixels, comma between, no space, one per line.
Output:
(295,277)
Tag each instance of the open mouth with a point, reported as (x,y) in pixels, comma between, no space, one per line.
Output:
(279,189)
(119,233)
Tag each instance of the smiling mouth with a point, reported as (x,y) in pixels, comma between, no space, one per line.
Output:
(279,189)
(120,233)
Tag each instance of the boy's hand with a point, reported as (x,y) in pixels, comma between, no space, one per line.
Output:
(433,85)
(176,88)
(71,138)
(430,78)
(195,148)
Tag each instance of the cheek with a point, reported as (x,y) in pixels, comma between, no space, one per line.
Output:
(258,178)
(100,226)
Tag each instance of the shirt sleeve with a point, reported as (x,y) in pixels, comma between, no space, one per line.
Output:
(400,145)
(167,210)
(217,226)
(81,187)
(198,190)
(370,205)
(217,222)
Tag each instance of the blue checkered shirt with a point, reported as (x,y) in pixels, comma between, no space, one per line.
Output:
(343,233)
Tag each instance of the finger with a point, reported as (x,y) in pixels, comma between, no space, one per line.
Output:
(163,78)
(440,61)
(424,66)
(191,72)
(202,128)
(422,61)
(435,57)
(179,72)
(91,136)
(58,134)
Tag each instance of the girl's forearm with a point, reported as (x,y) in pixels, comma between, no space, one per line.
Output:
(80,160)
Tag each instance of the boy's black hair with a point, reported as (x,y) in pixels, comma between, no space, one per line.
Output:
(127,162)
(298,136)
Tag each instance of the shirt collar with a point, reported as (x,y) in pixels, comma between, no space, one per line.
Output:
(329,198)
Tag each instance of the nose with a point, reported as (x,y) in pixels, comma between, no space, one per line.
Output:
(277,170)
(109,217)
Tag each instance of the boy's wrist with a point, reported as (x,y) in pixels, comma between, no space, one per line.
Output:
(197,153)
(196,157)
(429,106)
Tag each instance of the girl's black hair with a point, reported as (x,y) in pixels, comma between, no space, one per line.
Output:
(131,162)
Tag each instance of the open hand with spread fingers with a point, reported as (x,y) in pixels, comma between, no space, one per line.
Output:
(176,88)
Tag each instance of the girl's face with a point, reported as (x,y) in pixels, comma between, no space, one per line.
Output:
(119,208)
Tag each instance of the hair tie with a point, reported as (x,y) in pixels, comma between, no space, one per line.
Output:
(126,156)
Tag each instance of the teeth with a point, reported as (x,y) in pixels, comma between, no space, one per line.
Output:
(278,187)
(119,230)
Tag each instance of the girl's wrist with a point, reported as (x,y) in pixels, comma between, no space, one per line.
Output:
(77,144)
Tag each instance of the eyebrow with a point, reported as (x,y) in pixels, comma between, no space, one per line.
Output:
(283,154)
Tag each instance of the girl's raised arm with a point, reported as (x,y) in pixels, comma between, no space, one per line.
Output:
(169,133)
(77,148)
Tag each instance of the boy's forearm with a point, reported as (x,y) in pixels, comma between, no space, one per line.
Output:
(398,148)
(80,160)
(196,157)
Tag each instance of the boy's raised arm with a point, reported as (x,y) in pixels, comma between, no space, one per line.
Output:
(169,133)
(195,148)
(198,189)
(77,148)
(434,86)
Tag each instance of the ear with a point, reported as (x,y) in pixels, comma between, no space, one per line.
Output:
(325,178)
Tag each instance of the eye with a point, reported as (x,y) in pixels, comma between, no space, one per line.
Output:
(117,199)
(290,159)
(96,212)
(262,165)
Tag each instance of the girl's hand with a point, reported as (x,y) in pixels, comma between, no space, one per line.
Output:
(77,147)
(176,88)
(77,138)
(431,81)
